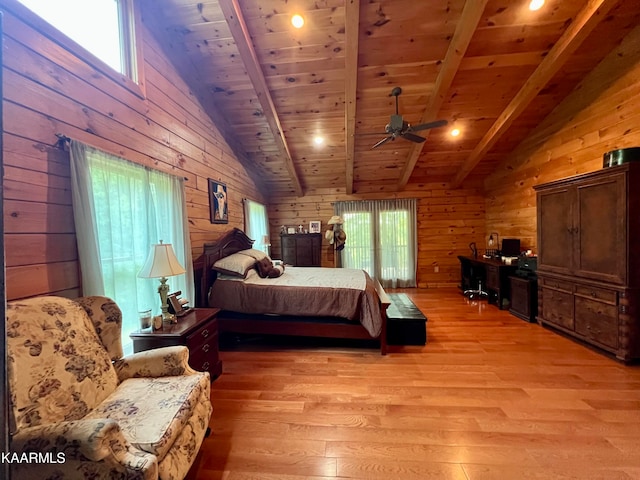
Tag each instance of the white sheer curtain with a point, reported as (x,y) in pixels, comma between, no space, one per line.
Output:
(381,239)
(256,224)
(120,210)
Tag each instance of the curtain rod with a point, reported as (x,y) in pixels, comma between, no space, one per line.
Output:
(64,142)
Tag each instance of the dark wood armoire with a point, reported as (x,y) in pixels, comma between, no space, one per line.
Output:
(589,258)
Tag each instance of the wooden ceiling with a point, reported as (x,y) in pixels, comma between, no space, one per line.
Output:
(492,68)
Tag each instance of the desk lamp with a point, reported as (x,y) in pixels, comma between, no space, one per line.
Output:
(162,263)
(493,245)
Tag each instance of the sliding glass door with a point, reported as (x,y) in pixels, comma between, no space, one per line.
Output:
(381,239)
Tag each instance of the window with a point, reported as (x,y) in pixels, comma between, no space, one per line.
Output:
(256,225)
(120,210)
(105,28)
(381,239)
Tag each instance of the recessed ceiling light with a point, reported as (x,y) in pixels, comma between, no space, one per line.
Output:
(318,140)
(297,21)
(536,5)
(455,132)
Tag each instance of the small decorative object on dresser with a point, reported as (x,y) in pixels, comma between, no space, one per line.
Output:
(145,319)
(315,226)
(178,306)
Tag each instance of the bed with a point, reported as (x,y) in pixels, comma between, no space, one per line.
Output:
(300,302)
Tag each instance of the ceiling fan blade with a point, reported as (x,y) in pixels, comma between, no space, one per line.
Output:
(414,138)
(425,126)
(383,141)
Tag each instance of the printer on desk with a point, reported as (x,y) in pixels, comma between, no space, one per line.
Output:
(527,267)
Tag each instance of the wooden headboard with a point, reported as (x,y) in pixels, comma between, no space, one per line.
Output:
(231,242)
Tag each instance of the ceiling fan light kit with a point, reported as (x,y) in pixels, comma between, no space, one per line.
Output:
(397,127)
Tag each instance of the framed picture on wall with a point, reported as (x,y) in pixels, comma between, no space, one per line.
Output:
(314,226)
(218,204)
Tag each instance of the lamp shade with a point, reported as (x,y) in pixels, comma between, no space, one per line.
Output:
(161,262)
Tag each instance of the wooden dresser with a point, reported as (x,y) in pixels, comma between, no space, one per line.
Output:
(198,330)
(301,249)
(589,258)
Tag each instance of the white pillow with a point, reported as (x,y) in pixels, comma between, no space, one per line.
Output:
(236,264)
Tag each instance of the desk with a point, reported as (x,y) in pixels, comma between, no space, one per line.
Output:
(494,276)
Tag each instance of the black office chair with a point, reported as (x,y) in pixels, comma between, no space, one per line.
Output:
(478,292)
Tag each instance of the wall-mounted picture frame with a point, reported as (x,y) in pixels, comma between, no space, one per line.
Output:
(218,202)
(175,305)
(315,226)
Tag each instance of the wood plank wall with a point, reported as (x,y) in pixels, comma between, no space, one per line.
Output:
(602,114)
(448,220)
(49,90)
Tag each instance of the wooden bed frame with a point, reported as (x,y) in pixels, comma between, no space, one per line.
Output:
(332,327)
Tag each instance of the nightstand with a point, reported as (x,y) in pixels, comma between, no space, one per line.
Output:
(197,330)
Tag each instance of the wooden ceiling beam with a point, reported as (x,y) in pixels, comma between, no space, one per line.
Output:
(584,23)
(352,22)
(471,15)
(240,32)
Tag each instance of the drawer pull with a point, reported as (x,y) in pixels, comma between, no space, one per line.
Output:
(205,347)
(205,333)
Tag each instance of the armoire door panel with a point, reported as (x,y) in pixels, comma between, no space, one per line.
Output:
(601,220)
(555,232)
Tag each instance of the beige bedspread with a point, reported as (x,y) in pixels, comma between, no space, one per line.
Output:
(303,291)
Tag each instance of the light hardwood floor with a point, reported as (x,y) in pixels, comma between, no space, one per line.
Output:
(489,397)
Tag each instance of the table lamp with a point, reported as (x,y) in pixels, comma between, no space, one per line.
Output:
(267,244)
(162,263)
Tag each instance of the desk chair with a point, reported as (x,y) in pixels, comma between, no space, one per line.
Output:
(475,274)
(477,292)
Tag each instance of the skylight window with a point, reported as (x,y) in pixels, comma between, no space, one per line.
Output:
(105,28)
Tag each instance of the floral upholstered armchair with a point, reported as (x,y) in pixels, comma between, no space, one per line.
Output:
(81,410)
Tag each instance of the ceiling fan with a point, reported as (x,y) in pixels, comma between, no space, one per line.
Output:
(397,127)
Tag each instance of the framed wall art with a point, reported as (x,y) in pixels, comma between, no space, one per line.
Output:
(314,226)
(218,204)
